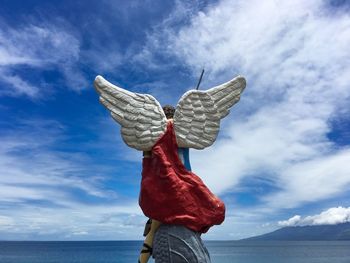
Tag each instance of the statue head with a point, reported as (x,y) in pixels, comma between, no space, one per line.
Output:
(169,111)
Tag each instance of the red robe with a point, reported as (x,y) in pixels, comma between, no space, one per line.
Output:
(173,195)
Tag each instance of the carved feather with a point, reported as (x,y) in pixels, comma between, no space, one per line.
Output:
(198,113)
(141,117)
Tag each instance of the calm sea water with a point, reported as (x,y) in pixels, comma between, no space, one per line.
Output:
(220,251)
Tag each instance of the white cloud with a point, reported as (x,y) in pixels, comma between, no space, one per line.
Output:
(291,221)
(159,42)
(313,180)
(38,46)
(332,216)
(19,86)
(79,221)
(5,222)
(50,194)
(30,170)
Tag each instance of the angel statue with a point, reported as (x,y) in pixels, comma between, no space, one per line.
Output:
(178,204)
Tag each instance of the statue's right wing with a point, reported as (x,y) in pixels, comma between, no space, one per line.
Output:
(140,115)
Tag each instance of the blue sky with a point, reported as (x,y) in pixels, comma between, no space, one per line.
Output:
(282,156)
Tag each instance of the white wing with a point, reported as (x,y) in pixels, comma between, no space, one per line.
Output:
(140,115)
(198,113)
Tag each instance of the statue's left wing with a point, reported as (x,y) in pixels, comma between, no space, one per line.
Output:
(198,113)
(141,117)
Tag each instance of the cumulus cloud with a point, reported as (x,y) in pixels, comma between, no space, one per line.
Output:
(291,221)
(332,216)
(294,56)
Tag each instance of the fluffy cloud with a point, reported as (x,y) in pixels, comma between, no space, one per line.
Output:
(295,58)
(332,216)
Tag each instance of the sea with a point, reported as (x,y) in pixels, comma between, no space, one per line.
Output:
(220,251)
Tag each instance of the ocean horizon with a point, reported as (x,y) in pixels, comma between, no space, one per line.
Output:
(220,251)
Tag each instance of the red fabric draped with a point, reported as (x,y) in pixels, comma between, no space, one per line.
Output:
(173,195)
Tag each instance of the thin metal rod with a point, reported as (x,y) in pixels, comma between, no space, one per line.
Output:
(200,79)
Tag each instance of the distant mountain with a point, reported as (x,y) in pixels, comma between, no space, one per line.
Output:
(319,232)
